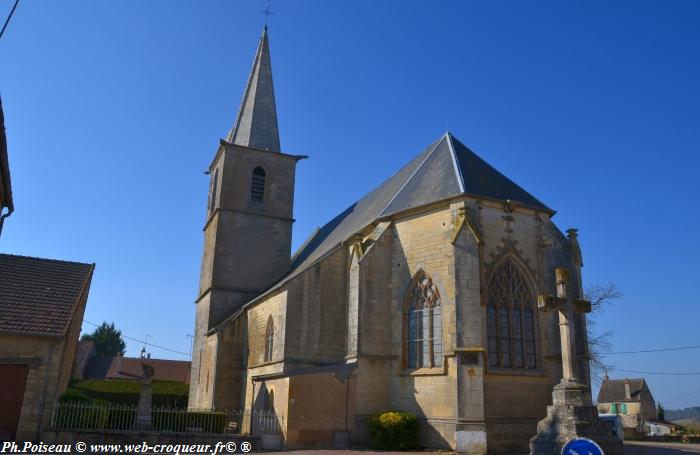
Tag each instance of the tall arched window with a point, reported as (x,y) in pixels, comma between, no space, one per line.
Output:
(269,339)
(257,185)
(422,318)
(510,315)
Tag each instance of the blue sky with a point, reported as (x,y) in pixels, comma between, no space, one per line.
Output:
(114,110)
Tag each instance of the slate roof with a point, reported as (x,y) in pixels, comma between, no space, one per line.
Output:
(256,122)
(40,296)
(445,169)
(613,390)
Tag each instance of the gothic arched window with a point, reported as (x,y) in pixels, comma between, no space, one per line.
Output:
(422,321)
(257,185)
(510,319)
(269,339)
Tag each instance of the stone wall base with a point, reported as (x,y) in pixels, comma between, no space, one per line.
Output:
(566,422)
(60,436)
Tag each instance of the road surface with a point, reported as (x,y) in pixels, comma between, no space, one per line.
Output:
(660,448)
(631,448)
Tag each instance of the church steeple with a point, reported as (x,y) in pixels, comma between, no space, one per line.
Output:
(256,123)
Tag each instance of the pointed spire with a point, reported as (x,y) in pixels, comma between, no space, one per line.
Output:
(256,123)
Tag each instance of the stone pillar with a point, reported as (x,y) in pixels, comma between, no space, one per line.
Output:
(571,415)
(470,431)
(143,412)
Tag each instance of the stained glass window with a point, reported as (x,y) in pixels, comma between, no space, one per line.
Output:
(269,339)
(422,323)
(510,319)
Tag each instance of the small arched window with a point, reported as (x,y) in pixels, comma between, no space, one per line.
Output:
(269,339)
(257,185)
(422,323)
(510,319)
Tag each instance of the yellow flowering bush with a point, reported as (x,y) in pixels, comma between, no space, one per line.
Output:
(393,430)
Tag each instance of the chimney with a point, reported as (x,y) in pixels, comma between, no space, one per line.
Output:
(628,394)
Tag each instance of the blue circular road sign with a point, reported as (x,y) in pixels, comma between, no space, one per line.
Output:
(581,446)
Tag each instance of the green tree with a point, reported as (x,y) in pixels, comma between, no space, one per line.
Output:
(108,340)
(660,412)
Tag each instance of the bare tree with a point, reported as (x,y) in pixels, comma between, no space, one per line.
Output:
(600,296)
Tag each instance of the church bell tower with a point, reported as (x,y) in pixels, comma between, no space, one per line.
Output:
(248,229)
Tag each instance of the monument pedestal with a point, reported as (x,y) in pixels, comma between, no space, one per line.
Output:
(572,416)
(143,412)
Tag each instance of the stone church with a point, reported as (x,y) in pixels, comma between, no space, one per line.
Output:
(421,296)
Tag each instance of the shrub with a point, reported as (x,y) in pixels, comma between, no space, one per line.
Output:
(204,422)
(84,418)
(124,391)
(393,430)
(75,396)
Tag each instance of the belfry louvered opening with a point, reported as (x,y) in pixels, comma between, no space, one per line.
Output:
(257,185)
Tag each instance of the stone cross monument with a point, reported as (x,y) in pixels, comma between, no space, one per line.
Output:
(571,414)
(143,412)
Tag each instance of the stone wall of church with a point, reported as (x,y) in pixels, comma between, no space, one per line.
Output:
(462,397)
(274,307)
(320,406)
(471,432)
(252,238)
(424,242)
(231,364)
(374,296)
(271,395)
(369,323)
(203,376)
(317,313)
(515,400)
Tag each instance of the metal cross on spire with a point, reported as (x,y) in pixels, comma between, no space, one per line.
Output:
(267,12)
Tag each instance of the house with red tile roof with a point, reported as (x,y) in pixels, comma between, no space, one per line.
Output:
(89,365)
(42,302)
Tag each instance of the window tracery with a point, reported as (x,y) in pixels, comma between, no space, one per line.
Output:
(510,319)
(422,323)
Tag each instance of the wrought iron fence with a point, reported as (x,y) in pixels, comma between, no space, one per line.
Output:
(106,416)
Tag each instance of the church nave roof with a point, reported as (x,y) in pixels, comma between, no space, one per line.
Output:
(445,169)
